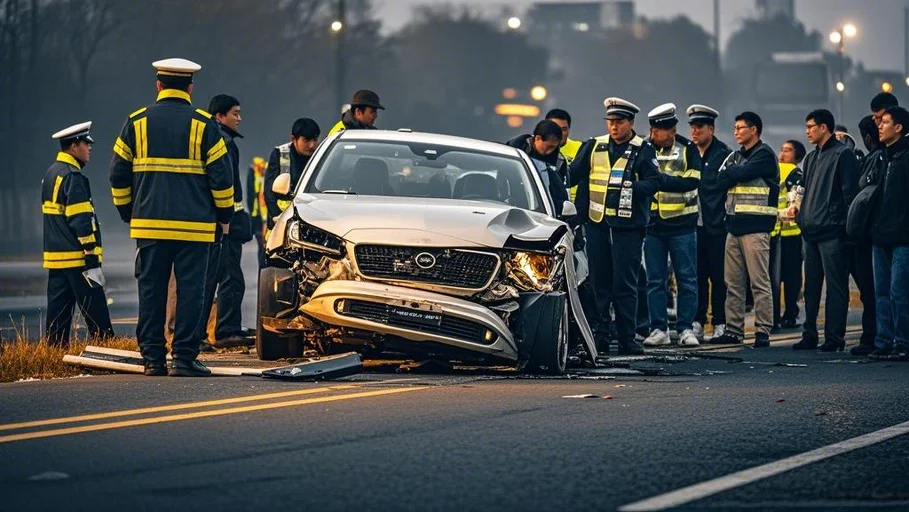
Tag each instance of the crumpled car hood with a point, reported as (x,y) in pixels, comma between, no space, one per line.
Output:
(429,222)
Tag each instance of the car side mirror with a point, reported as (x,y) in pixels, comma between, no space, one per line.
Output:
(569,209)
(281,186)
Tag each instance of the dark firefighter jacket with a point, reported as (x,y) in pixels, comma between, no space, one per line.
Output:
(70,224)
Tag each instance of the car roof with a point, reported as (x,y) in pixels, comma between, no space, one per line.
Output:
(429,138)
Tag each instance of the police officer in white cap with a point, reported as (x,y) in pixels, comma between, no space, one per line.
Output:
(617,176)
(672,232)
(171,181)
(72,241)
(711,220)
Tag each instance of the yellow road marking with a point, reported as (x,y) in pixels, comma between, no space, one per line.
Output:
(162,408)
(200,414)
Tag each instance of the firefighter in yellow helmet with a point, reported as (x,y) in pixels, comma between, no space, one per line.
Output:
(255,203)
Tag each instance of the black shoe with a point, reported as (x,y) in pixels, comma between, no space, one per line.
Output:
(776,329)
(630,348)
(761,340)
(862,349)
(234,340)
(184,368)
(900,353)
(832,346)
(789,323)
(727,338)
(155,368)
(601,339)
(881,353)
(806,343)
(204,346)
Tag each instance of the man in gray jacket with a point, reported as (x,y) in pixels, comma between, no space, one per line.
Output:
(831,182)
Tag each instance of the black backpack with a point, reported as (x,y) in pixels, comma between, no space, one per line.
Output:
(858,220)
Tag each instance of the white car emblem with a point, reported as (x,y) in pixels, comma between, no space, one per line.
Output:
(425,260)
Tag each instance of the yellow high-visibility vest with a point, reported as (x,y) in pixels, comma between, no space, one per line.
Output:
(606,177)
(673,161)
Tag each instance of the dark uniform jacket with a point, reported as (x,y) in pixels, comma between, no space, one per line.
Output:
(240,228)
(683,223)
(758,162)
(348,122)
(711,195)
(555,173)
(297,163)
(644,173)
(169,175)
(890,220)
(70,224)
(831,179)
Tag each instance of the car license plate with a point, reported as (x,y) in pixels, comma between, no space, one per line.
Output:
(426,318)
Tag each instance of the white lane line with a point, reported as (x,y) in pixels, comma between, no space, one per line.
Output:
(702,490)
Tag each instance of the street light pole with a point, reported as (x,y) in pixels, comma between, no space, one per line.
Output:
(339,28)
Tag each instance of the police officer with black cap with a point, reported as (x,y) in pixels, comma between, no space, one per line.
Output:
(72,241)
(171,181)
(362,114)
(711,220)
(617,176)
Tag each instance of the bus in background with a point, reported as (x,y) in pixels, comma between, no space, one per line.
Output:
(786,88)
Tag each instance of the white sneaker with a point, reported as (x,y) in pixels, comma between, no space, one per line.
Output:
(698,330)
(719,330)
(688,339)
(657,338)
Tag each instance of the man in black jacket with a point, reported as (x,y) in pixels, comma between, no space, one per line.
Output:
(890,234)
(752,180)
(831,183)
(543,146)
(711,221)
(289,158)
(225,276)
(617,176)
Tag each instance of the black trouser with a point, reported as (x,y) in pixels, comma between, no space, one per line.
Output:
(862,270)
(642,317)
(260,243)
(791,274)
(711,286)
(615,261)
(827,261)
(775,273)
(231,287)
(154,263)
(67,288)
(211,284)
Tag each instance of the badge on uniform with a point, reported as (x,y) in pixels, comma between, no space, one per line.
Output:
(627,184)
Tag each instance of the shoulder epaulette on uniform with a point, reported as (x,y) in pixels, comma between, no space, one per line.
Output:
(134,114)
(204,113)
(637,140)
(286,145)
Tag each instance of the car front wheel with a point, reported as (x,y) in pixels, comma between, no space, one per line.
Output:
(549,354)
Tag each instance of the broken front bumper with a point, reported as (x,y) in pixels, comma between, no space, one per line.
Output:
(411,314)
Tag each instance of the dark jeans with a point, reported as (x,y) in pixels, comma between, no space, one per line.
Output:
(826,261)
(615,262)
(891,286)
(682,249)
(154,262)
(775,271)
(711,286)
(791,274)
(66,289)
(861,267)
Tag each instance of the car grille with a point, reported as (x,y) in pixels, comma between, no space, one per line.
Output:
(450,326)
(462,269)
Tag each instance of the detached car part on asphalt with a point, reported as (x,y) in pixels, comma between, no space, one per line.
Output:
(423,245)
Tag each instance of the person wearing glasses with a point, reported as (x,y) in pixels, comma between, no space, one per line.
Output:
(831,177)
(751,177)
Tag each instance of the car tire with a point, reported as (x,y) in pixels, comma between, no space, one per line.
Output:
(549,355)
(269,346)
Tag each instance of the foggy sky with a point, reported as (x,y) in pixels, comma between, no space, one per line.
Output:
(879,44)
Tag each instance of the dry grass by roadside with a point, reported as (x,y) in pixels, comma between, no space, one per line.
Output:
(22,359)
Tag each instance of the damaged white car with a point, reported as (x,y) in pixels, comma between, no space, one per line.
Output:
(427,246)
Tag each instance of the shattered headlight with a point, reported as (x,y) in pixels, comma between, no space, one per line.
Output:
(531,271)
(301,234)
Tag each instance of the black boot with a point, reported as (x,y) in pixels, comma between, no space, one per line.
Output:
(761,340)
(832,346)
(154,368)
(191,368)
(630,348)
(806,343)
(862,349)
(601,339)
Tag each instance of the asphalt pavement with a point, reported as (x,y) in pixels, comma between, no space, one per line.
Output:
(621,437)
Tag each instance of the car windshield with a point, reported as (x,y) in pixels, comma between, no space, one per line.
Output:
(413,169)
